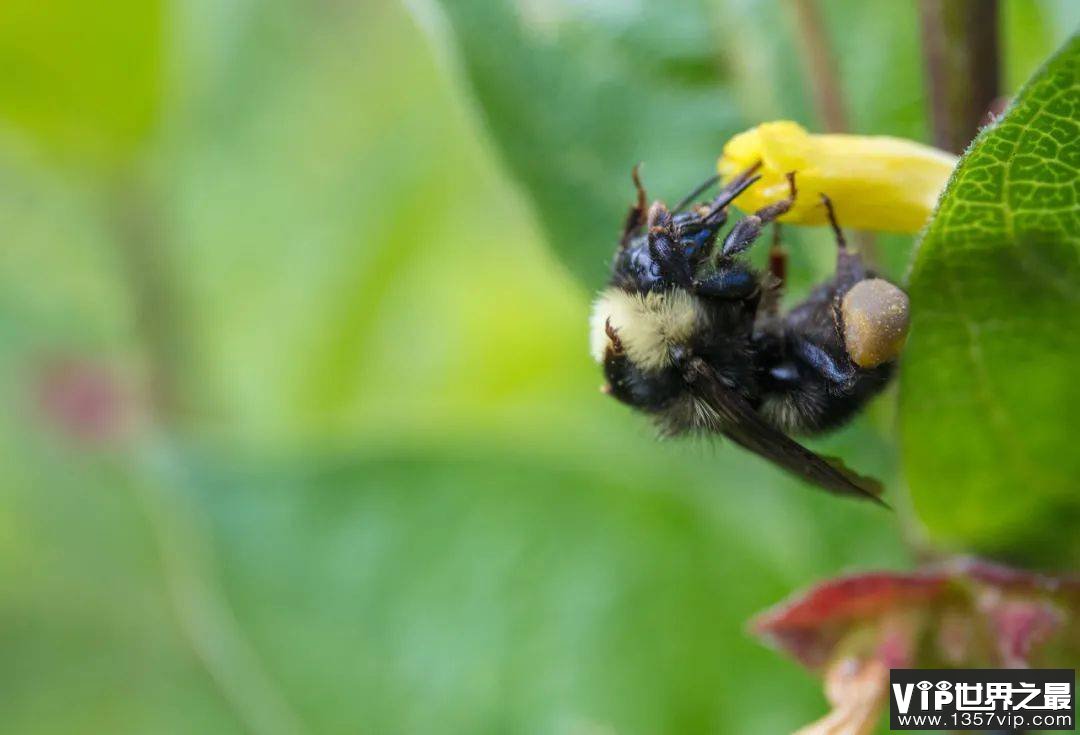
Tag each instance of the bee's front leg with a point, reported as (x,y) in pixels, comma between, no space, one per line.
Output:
(665,249)
(747,230)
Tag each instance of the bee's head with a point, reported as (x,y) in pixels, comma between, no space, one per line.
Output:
(635,267)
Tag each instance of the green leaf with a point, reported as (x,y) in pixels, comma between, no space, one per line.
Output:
(425,589)
(84,78)
(989,396)
(575,96)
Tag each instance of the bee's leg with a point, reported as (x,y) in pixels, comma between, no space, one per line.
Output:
(665,249)
(696,229)
(729,283)
(777,256)
(746,231)
(839,372)
(636,216)
(734,283)
(849,266)
(658,217)
(672,260)
(770,299)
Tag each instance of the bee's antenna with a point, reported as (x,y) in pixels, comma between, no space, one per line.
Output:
(730,194)
(686,200)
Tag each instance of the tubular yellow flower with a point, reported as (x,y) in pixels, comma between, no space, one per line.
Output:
(875,182)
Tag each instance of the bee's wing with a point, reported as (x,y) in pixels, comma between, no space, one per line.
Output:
(744,426)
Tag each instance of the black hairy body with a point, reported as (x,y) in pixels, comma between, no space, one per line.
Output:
(690,333)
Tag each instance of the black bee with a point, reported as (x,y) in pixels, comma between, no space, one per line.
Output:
(695,337)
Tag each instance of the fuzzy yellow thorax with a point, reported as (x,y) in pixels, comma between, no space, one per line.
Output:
(875,182)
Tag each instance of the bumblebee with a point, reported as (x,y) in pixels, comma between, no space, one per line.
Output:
(688,332)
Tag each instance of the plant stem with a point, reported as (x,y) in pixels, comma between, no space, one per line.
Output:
(821,67)
(825,85)
(137,231)
(960,46)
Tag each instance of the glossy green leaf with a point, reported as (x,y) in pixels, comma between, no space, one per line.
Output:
(990,398)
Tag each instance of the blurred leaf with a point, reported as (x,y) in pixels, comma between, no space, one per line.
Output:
(293,200)
(85,78)
(87,628)
(59,279)
(576,94)
(1029,28)
(432,589)
(989,401)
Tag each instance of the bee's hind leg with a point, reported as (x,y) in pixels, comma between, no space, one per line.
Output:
(849,267)
(839,372)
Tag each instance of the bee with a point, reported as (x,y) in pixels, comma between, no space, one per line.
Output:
(688,332)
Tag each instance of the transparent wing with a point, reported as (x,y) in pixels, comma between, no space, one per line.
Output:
(743,425)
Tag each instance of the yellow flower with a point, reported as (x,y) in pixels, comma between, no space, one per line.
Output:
(875,182)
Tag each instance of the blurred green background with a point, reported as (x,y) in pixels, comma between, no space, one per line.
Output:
(361,478)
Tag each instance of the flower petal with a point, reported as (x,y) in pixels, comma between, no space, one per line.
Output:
(875,182)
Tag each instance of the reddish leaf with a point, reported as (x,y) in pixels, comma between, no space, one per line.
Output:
(809,625)
(1011,578)
(1019,609)
(963,612)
